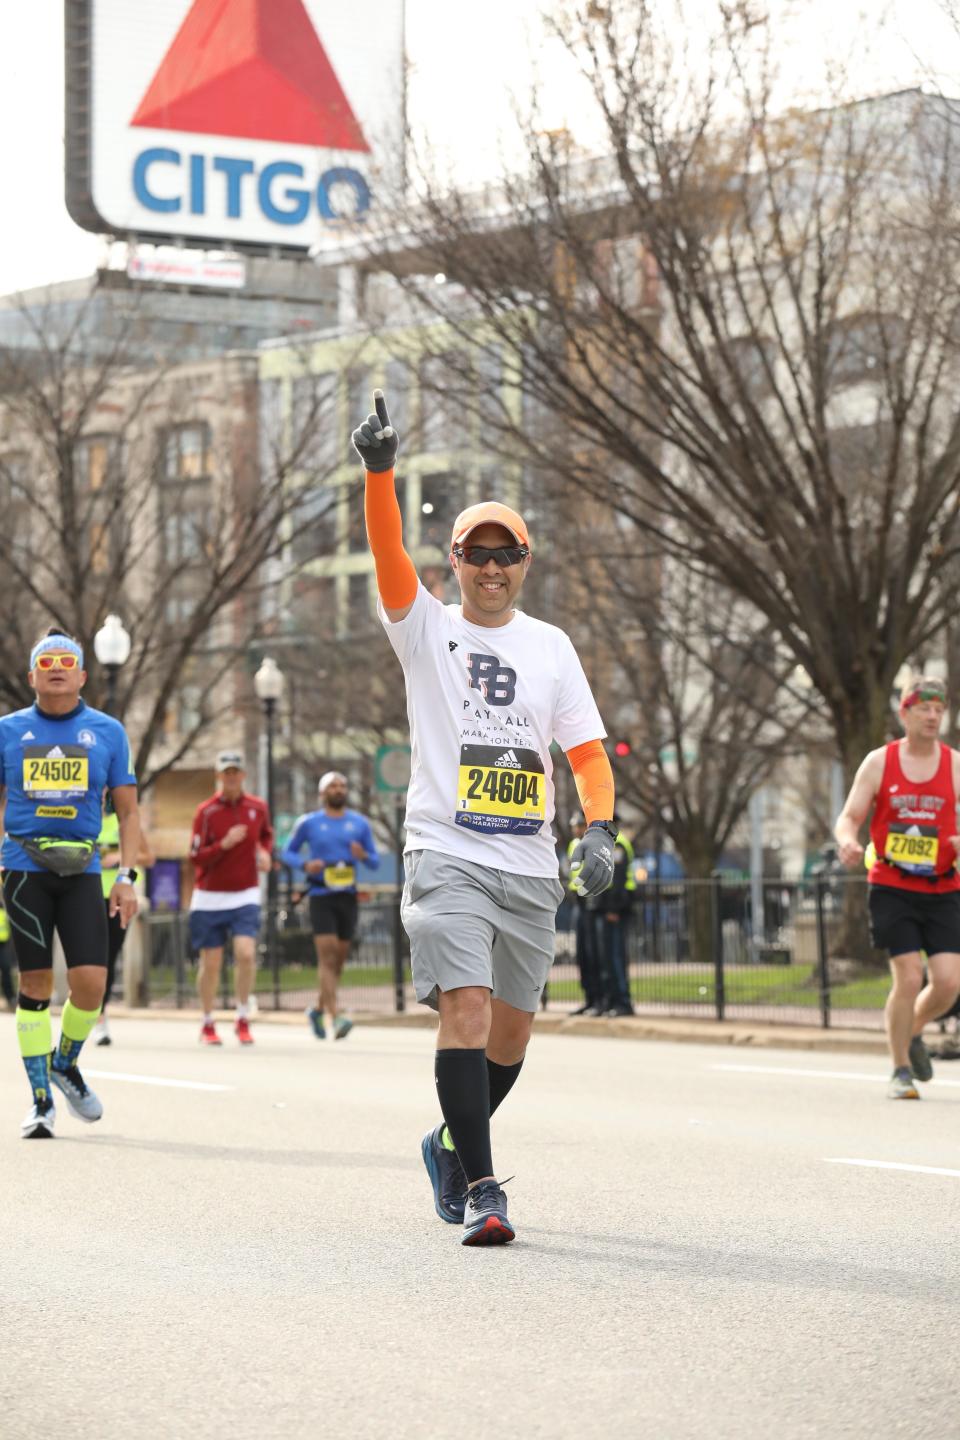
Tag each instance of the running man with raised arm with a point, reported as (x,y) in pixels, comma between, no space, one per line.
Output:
(488,690)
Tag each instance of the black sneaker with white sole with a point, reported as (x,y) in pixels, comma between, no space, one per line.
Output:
(485,1216)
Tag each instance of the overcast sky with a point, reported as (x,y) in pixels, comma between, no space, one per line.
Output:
(468,62)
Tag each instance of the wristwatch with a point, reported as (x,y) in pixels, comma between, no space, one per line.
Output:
(127,875)
(607,825)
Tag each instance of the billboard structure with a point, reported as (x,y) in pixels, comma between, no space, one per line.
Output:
(242,124)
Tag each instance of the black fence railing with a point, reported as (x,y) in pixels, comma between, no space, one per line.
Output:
(376,976)
(692,948)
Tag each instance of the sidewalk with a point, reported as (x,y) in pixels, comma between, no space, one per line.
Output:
(638,1027)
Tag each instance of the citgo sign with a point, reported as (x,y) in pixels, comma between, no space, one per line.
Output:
(246,123)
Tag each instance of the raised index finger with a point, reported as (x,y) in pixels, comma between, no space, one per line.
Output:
(380,405)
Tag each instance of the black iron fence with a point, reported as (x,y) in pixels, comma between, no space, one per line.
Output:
(375,978)
(692,948)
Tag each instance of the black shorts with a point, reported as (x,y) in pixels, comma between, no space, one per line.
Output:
(39,902)
(904,921)
(334,915)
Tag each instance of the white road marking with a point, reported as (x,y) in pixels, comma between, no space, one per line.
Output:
(154,1080)
(877,1078)
(893,1165)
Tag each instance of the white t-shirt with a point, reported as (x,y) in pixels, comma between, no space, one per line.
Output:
(484,703)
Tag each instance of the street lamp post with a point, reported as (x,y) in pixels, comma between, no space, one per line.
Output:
(111,645)
(268,683)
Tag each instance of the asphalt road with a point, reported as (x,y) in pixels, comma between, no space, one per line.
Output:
(263,1259)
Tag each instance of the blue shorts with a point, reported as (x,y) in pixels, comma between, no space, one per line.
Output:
(209,929)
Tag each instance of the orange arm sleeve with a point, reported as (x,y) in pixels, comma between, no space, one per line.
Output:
(594,779)
(396,574)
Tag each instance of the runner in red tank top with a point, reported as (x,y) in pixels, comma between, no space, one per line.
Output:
(912,785)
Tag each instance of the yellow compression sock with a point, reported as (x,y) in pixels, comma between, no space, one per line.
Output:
(75,1026)
(35,1038)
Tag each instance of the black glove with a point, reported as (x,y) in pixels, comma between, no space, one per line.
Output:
(591,864)
(376,442)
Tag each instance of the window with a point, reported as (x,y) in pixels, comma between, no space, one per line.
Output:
(360,605)
(314,522)
(490,382)
(315,445)
(186,453)
(440,412)
(15,475)
(359,399)
(270,428)
(399,390)
(99,549)
(94,460)
(184,536)
(441,500)
(861,346)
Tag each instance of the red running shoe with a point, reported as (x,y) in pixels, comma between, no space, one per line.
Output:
(209,1036)
(242,1029)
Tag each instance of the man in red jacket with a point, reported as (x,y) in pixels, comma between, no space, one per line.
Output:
(232,842)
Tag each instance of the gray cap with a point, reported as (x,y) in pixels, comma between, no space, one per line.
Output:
(230,760)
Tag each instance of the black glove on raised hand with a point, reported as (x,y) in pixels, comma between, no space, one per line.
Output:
(376,441)
(591,864)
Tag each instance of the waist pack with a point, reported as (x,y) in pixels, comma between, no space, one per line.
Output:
(63,857)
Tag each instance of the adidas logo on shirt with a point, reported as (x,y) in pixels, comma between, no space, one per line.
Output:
(28,735)
(55,754)
(508,761)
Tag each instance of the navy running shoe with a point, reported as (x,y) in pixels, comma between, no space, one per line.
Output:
(315,1018)
(446,1176)
(485,1216)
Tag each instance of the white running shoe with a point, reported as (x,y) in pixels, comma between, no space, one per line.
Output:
(39,1124)
(101,1032)
(80,1097)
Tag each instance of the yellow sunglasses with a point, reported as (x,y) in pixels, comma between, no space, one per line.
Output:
(65,662)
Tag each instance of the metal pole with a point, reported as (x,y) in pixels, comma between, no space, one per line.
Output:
(273,958)
(757,928)
(400,999)
(111,701)
(823,962)
(720,996)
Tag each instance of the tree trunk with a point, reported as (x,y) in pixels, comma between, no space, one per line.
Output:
(699,861)
(848,936)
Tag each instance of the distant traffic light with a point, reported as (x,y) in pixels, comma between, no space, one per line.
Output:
(622,749)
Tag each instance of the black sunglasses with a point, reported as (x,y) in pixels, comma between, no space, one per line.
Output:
(504,555)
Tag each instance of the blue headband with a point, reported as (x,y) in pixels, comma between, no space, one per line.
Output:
(59,643)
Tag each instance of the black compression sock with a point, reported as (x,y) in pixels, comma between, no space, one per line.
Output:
(502,1080)
(463,1089)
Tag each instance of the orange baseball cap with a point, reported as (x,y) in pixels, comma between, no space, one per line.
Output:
(489,512)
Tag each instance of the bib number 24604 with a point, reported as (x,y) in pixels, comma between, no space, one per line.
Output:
(501,789)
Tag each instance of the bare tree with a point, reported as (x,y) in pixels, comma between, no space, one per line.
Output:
(154,488)
(743,329)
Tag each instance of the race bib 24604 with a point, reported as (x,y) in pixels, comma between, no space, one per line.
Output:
(501,789)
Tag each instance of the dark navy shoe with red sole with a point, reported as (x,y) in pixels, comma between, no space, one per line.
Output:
(485,1216)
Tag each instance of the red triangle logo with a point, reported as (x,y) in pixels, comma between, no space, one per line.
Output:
(254,69)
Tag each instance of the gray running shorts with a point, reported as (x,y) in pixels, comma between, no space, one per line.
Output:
(471,925)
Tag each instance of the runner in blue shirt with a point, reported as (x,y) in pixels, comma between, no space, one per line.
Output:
(336,838)
(57,758)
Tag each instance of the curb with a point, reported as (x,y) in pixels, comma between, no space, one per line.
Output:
(756,1036)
